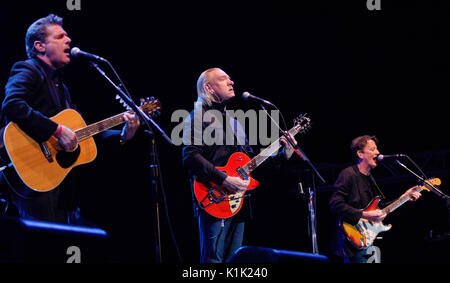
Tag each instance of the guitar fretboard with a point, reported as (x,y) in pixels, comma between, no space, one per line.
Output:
(396,204)
(100,126)
(266,153)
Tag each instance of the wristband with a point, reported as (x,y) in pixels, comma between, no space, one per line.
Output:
(58,133)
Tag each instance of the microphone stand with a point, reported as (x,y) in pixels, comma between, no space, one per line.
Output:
(432,187)
(154,167)
(309,198)
(147,120)
(312,194)
(298,150)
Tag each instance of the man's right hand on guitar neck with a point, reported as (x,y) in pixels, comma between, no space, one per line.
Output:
(66,137)
(235,184)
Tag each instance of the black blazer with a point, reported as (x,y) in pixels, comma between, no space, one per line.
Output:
(30,98)
(354,191)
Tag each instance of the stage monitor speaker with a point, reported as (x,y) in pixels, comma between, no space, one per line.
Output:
(251,254)
(31,241)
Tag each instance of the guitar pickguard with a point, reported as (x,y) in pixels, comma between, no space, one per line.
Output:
(235,201)
(370,230)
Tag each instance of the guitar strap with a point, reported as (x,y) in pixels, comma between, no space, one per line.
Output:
(239,136)
(376,186)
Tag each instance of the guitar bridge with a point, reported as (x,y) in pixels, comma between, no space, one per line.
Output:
(213,198)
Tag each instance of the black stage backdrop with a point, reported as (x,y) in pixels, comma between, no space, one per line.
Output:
(353,70)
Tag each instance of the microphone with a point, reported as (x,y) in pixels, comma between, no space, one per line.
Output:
(381,157)
(247,96)
(77,53)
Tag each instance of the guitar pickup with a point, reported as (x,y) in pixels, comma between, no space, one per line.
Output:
(242,173)
(46,152)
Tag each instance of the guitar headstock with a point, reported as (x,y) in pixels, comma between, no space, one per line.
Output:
(302,123)
(151,106)
(434,182)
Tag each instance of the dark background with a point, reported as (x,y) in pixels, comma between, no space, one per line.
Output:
(354,71)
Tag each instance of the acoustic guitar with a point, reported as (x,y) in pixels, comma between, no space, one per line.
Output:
(41,167)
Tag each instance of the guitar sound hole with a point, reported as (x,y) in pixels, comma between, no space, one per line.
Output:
(66,159)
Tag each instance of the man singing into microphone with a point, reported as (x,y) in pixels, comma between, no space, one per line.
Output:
(219,238)
(355,189)
(34,92)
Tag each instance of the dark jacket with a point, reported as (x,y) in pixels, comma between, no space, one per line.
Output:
(32,94)
(200,158)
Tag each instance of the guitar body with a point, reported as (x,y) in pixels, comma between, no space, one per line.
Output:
(214,200)
(34,172)
(364,233)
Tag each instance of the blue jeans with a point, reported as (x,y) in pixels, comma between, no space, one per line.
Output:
(219,238)
(371,254)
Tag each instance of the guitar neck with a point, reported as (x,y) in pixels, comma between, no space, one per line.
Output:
(399,202)
(100,126)
(266,153)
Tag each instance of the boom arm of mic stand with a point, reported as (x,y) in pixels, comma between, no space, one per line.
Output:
(144,117)
(429,185)
(295,146)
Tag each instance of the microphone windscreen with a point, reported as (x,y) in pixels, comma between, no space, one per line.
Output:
(74,51)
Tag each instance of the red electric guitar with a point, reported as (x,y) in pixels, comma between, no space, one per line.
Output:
(215,200)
